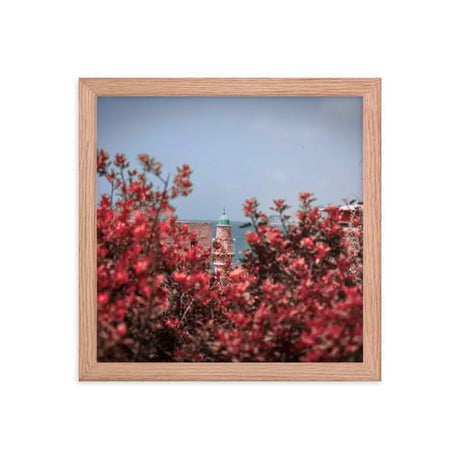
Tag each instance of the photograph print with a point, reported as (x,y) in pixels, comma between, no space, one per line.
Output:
(230,229)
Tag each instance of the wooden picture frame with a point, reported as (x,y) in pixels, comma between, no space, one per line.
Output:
(90,89)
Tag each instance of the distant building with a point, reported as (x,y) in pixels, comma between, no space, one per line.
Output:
(224,244)
(204,235)
(348,214)
(203,230)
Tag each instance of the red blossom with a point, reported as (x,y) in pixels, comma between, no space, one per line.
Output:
(120,161)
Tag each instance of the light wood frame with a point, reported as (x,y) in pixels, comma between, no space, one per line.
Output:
(368,88)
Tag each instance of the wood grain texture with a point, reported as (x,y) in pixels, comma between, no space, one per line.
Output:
(87,230)
(230,86)
(369,89)
(372,229)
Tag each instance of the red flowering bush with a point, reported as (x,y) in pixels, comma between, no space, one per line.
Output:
(294,298)
(154,284)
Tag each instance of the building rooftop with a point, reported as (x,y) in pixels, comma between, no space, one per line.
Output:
(223,219)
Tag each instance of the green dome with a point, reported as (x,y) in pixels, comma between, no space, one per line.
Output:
(223,220)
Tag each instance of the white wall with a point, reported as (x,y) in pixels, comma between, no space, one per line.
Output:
(46,413)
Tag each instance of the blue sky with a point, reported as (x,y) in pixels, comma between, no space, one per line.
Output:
(241,147)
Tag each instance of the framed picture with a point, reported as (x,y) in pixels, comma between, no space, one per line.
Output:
(229,229)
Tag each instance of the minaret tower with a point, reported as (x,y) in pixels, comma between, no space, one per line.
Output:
(225,249)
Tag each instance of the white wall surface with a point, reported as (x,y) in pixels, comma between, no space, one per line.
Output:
(46,413)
